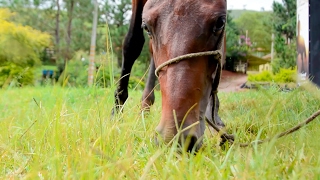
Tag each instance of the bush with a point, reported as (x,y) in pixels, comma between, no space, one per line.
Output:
(75,74)
(25,43)
(15,75)
(264,76)
(284,76)
(20,49)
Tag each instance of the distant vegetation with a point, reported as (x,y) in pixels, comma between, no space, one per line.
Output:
(20,51)
(283,76)
(236,13)
(68,24)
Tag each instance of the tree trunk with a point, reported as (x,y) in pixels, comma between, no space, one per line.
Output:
(69,28)
(57,29)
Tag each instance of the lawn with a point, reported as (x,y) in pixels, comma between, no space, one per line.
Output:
(68,133)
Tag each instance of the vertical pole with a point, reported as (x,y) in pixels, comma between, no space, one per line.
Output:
(92,68)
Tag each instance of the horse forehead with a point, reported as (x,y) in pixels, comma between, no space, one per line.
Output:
(184,7)
(182,2)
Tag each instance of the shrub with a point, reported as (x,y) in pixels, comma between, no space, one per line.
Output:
(264,76)
(283,76)
(286,75)
(25,43)
(75,74)
(20,49)
(15,75)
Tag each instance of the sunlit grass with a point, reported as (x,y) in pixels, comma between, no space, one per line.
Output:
(66,133)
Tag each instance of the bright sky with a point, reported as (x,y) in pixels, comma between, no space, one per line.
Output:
(251,4)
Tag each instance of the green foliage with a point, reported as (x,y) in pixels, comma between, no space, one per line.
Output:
(286,55)
(283,76)
(14,75)
(76,75)
(117,18)
(232,35)
(258,26)
(20,44)
(264,76)
(118,24)
(235,51)
(43,14)
(284,25)
(286,75)
(21,48)
(284,18)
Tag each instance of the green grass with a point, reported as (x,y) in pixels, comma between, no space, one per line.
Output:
(65,133)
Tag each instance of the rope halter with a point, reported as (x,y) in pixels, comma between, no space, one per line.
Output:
(216,54)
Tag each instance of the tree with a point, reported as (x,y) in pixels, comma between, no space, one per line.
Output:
(232,34)
(284,25)
(68,21)
(117,13)
(258,26)
(235,50)
(26,42)
(284,18)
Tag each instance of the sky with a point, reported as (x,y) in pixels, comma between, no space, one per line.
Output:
(251,4)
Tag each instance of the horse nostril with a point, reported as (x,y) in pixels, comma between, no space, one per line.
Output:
(190,143)
(188,140)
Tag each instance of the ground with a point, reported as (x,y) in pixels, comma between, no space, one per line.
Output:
(231,81)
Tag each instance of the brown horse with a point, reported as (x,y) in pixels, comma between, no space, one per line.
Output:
(188,88)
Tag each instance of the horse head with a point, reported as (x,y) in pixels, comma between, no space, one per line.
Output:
(177,28)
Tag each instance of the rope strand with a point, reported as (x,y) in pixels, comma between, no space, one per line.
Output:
(216,53)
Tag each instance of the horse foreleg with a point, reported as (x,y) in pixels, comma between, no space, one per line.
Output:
(148,93)
(131,50)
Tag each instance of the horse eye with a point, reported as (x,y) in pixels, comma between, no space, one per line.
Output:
(221,21)
(145,27)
